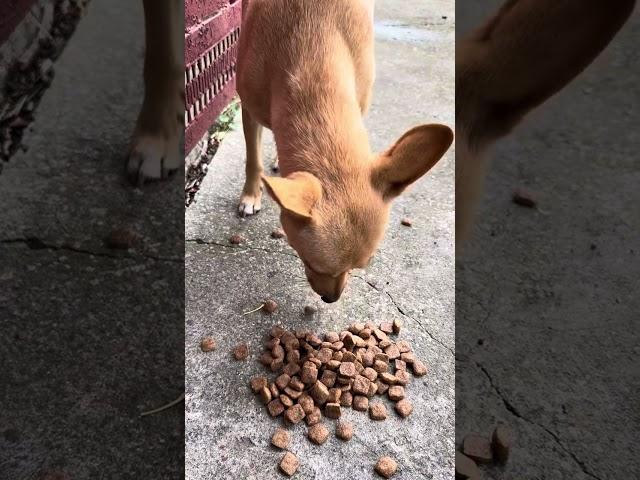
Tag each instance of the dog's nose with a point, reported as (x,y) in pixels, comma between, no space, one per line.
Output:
(328,299)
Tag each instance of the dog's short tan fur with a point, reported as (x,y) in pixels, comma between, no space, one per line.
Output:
(306,70)
(155,144)
(525,53)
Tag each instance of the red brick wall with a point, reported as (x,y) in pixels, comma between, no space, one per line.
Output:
(212,28)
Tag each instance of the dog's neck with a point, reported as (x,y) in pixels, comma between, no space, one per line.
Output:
(318,127)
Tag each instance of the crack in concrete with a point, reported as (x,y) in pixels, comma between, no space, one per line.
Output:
(404,314)
(34,243)
(514,411)
(199,241)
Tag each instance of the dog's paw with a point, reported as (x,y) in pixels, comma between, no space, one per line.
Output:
(153,157)
(156,143)
(250,204)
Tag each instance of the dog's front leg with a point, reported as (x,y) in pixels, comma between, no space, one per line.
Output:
(155,147)
(250,201)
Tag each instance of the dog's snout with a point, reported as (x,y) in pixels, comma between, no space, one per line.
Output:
(326,299)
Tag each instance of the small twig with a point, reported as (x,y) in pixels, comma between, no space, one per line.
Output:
(254,310)
(164,407)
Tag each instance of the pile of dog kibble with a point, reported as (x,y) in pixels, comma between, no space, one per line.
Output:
(316,376)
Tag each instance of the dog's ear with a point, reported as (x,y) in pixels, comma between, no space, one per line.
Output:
(526,52)
(296,193)
(413,155)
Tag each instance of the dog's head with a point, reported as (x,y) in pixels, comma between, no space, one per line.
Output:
(336,225)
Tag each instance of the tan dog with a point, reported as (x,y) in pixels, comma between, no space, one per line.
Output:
(306,70)
(528,51)
(155,146)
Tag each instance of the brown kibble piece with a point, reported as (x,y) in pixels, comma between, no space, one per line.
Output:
(386,327)
(291,393)
(380,335)
(236,239)
(274,390)
(289,341)
(208,344)
(296,384)
(406,222)
(275,407)
(397,326)
(347,369)
(370,373)
(360,403)
(277,352)
(380,366)
(348,357)
(333,364)
(344,430)
(309,373)
(392,351)
(501,443)
(314,417)
(331,337)
(293,356)
(382,387)
(286,401)
(368,358)
(280,438)
(360,385)
(294,414)
(266,358)
(258,383)
(466,469)
(318,433)
(346,399)
(388,378)
(277,364)
(400,365)
(289,464)
(334,395)
(377,411)
(282,381)
(349,341)
(365,334)
(419,368)
(403,346)
(524,198)
(121,239)
(265,395)
(278,233)
(269,306)
(402,377)
(306,402)
(332,410)
(404,408)
(373,388)
(276,331)
(319,393)
(478,448)
(386,467)
(271,343)
(408,357)
(396,393)
(324,355)
(316,362)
